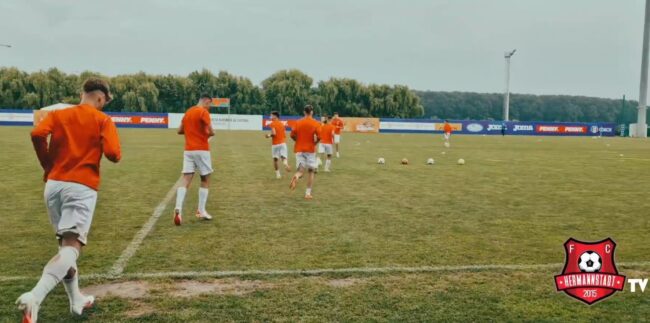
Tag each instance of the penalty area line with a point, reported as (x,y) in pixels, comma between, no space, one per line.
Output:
(118,267)
(325,271)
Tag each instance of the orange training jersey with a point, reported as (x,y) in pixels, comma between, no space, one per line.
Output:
(79,136)
(326,134)
(280,133)
(305,132)
(447,128)
(196,125)
(338,125)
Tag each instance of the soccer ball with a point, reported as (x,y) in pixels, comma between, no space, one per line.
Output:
(381,161)
(405,161)
(446,144)
(430,161)
(589,262)
(461,162)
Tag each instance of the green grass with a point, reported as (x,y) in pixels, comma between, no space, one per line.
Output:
(515,202)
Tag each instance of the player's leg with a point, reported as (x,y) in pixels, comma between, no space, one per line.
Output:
(284,153)
(300,168)
(311,165)
(276,167)
(337,140)
(328,155)
(189,167)
(204,163)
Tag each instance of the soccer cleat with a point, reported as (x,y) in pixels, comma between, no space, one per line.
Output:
(327,170)
(294,182)
(203,215)
(178,218)
(308,197)
(278,176)
(29,306)
(86,303)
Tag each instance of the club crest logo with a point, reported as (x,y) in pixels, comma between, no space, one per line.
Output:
(589,273)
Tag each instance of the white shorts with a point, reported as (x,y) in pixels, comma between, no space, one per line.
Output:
(306,160)
(327,149)
(337,138)
(279,151)
(320,148)
(71,207)
(197,160)
(447,135)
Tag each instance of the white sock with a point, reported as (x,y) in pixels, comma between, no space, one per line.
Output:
(180,197)
(308,191)
(203,197)
(328,163)
(285,162)
(54,272)
(71,286)
(277,172)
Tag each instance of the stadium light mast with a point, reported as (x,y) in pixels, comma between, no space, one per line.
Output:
(506,95)
(641,124)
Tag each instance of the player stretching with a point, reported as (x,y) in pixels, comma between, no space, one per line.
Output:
(338,128)
(79,136)
(305,134)
(278,144)
(326,140)
(447,130)
(197,128)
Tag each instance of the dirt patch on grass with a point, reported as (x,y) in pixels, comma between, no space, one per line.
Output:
(139,309)
(128,289)
(345,282)
(191,288)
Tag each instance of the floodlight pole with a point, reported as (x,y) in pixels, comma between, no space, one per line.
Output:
(641,124)
(506,95)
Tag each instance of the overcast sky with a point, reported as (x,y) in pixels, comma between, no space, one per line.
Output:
(578,47)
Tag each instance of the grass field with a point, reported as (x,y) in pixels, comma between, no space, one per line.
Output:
(515,202)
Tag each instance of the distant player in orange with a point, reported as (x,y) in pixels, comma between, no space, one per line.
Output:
(279,149)
(305,134)
(197,128)
(327,131)
(338,128)
(79,135)
(447,132)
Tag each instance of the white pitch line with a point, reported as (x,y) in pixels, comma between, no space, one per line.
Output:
(118,267)
(325,271)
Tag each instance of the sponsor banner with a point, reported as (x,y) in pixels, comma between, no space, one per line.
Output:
(139,120)
(481,127)
(236,122)
(364,125)
(16,117)
(224,121)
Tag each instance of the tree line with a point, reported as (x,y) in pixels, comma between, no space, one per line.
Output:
(288,91)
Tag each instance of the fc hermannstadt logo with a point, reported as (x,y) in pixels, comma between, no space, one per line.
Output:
(589,273)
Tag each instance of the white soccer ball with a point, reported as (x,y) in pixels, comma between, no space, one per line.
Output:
(443,153)
(381,161)
(461,162)
(447,144)
(589,262)
(430,161)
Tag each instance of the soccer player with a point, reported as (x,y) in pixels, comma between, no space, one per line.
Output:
(78,136)
(197,128)
(278,143)
(447,130)
(338,128)
(305,134)
(504,128)
(326,140)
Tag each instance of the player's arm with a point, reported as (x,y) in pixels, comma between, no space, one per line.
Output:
(110,141)
(293,134)
(181,129)
(272,134)
(208,124)
(316,136)
(39,140)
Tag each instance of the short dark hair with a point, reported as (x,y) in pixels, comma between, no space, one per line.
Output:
(275,113)
(309,109)
(336,113)
(205,96)
(97,84)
